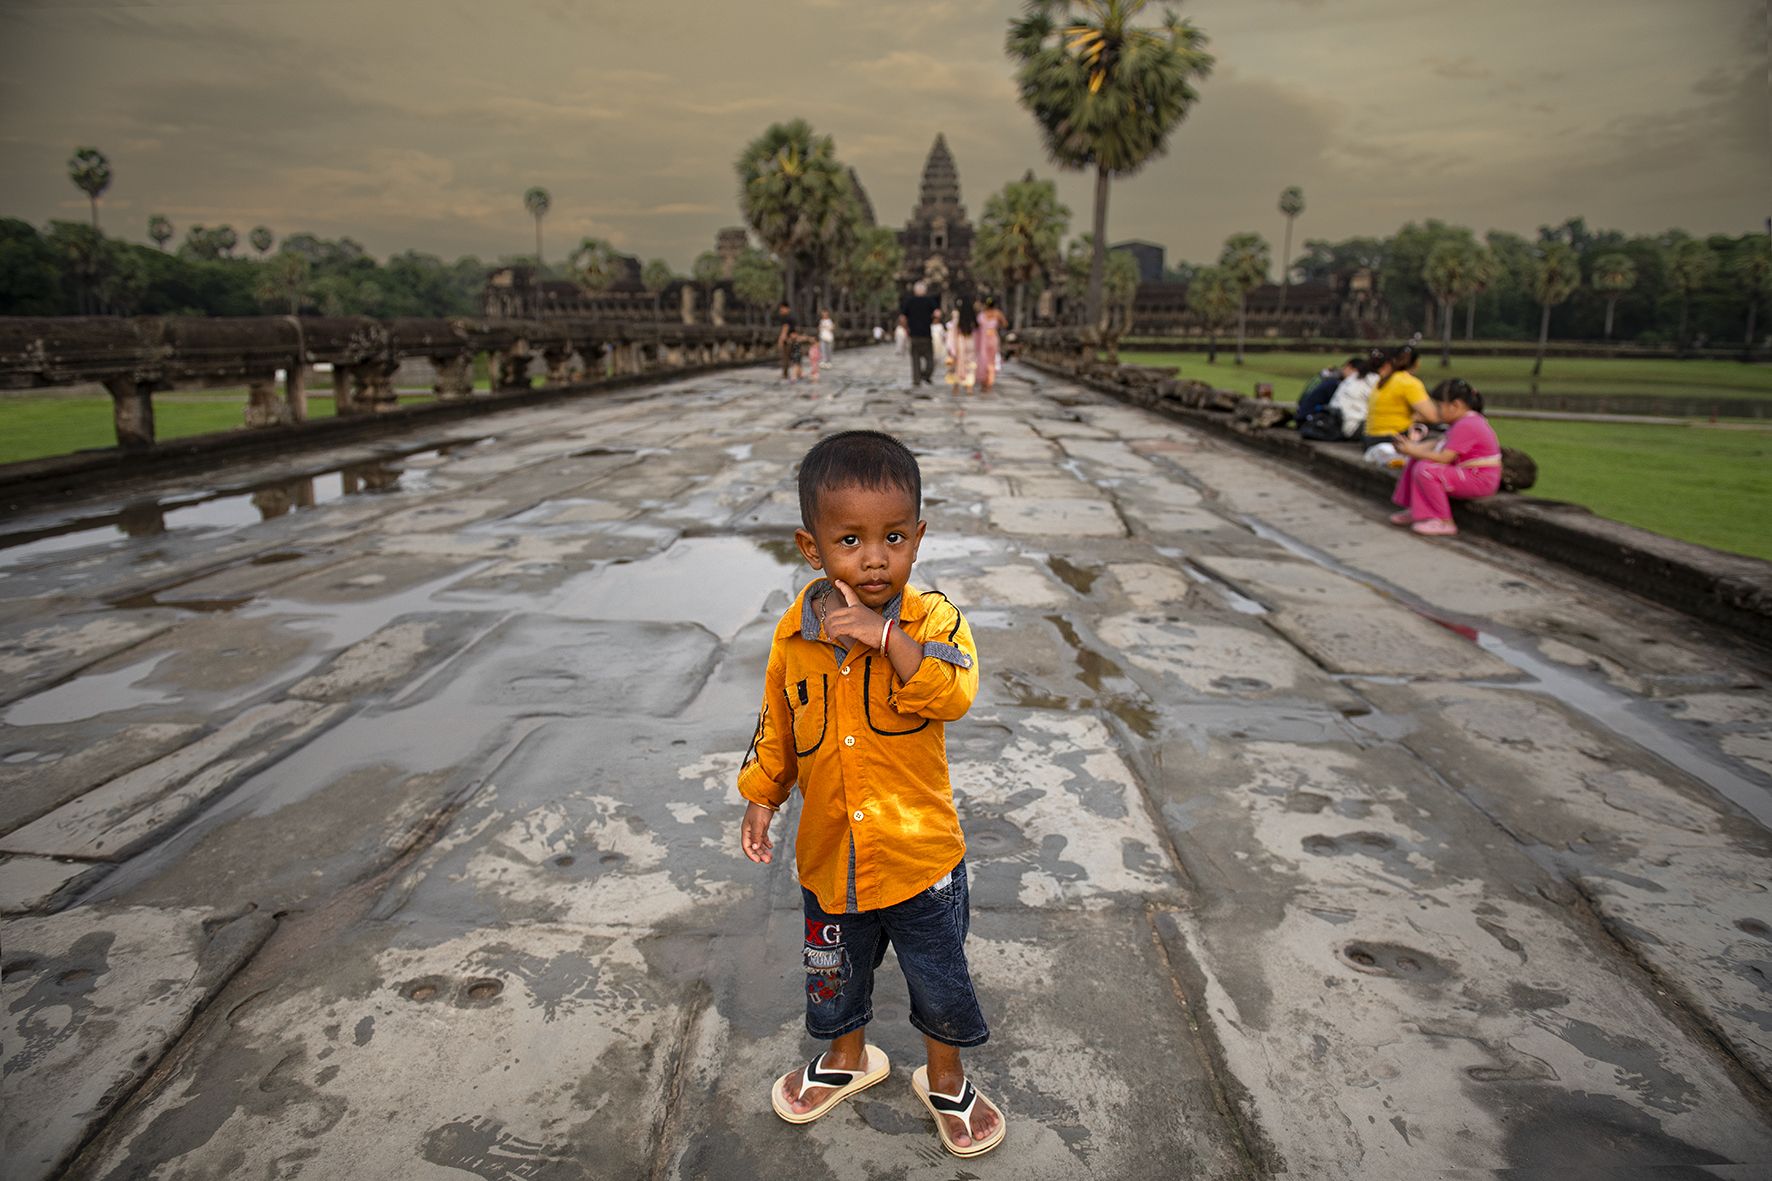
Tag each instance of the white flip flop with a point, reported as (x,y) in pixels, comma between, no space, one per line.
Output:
(816,1074)
(960,1106)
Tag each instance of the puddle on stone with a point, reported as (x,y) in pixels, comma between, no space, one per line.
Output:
(721,583)
(1078,578)
(88,696)
(218,510)
(1586,693)
(1231,597)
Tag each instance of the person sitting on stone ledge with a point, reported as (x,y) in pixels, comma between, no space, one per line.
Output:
(1399,400)
(1334,408)
(1464,465)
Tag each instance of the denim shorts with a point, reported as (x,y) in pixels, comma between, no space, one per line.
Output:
(928,933)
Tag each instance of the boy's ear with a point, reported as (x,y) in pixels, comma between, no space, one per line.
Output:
(809,548)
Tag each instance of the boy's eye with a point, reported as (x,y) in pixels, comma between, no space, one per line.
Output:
(849,539)
(894,538)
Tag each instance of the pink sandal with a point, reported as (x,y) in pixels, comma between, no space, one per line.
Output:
(1403,518)
(1435,527)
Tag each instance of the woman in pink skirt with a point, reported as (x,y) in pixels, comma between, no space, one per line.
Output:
(1465,465)
(990,326)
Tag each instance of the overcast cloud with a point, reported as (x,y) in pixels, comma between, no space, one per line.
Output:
(417,124)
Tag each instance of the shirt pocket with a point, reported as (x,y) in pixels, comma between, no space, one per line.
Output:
(810,706)
(877,703)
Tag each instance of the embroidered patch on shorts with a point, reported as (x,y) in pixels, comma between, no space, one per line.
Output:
(823,953)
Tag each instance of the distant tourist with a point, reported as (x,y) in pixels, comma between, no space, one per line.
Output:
(1399,401)
(938,336)
(878,849)
(827,335)
(991,323)
(1464,465)
(915,314)
(962,346)
(786,328)
(901,338)
(1317,415)
(879,333)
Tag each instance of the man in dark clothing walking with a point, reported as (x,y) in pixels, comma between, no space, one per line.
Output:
(786,327)
(915,313)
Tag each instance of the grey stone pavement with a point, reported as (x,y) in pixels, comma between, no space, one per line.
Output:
(394,836)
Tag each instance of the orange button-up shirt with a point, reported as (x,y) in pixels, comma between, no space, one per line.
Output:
(867,750)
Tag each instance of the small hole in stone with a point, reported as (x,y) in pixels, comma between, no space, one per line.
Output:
(484,990)
(1754,927)
(610,858)
(564,859)
(1363,958)
(421,992)
(22,964)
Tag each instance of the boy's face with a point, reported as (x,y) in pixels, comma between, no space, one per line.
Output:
(867,537)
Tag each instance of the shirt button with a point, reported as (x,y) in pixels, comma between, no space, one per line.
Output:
(861,815)
(849,741)
(845,670)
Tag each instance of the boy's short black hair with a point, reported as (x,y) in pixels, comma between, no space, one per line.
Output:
(868,459)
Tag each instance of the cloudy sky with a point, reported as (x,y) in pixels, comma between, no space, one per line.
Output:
(418,123)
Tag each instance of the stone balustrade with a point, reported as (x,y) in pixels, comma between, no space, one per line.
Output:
(135,357)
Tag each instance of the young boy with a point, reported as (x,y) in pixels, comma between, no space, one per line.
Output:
(862,673)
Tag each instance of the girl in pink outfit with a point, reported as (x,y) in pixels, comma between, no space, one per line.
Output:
(1465,465)
(990,324)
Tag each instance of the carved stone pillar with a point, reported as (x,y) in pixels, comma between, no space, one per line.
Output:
(672,356)
(510,369)
(375,389)
(455,376)
(344,398)
(688,304)
(132,411)
(295,391)
(263,407)
(717,307)
(559,362)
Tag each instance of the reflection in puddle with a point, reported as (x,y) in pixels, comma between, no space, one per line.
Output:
(231,510)
(89,696)
(719,582)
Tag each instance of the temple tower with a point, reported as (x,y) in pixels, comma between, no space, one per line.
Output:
(938,228)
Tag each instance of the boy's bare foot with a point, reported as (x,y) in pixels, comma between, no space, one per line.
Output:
(985,1119)
(848,1052)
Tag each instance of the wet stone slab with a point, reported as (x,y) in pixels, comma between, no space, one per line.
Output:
(93,998)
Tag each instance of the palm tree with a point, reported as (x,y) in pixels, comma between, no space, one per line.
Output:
(1450,274)
(1291,204)
(873,265)
(798,198)
(1018,236)
(1556,273)
(1614,274)
(284,281)
(1488,269)
(536,200)
(655,276)
(1105,92)
(1119,288)
(1214,297)
(1244,260)
(225,239)
(595,264)
(757,279)
(261,239)
(1690,265)
(160,230)
(91,174)
(1753,274)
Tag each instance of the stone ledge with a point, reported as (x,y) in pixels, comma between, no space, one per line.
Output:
(1729,590)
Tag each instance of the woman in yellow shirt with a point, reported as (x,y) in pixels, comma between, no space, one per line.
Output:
(1400,398)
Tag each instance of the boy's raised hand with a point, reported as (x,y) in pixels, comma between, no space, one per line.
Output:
(853,625)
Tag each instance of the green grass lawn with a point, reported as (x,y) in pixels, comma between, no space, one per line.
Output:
(31,428)
(1288,372)
(1703,484)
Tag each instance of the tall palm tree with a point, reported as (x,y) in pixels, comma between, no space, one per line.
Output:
(91,174)
(595,264)
(1215,297)
(225,239)
(655,276)
(1244,260)
(798,198)
(537,201)
(1019,234)
(1291,204)
(1105,92)
(1690,265)
(1556,273)
(1753,274)
(1614,274)
(1450,274)
(1488,269)
(283,281)
(873,265)
(160,230)
(757,280)
(261,239)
